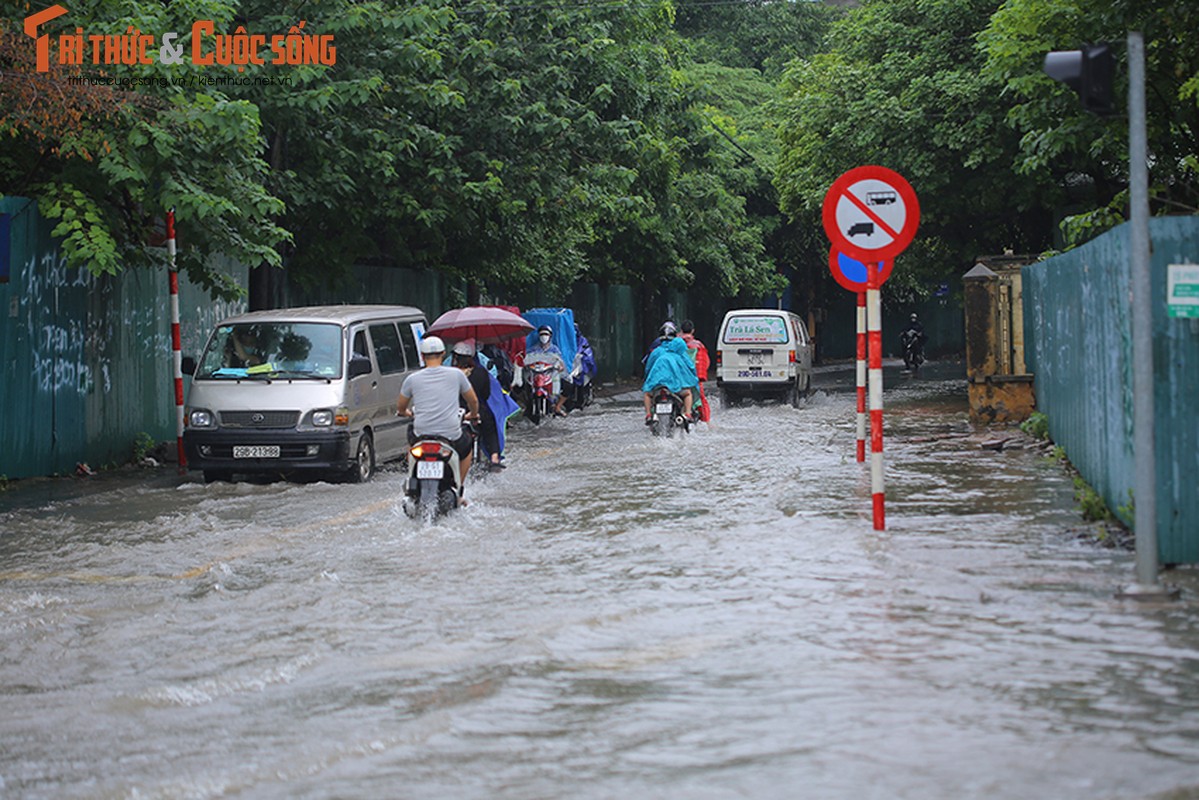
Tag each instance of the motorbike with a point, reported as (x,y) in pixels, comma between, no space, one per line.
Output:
(541,390)
(912,342)
(667,410)
(433,486)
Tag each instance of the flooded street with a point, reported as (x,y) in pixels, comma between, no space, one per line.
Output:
(614,616)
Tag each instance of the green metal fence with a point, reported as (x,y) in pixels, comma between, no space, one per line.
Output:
(87,360)
(1079,346)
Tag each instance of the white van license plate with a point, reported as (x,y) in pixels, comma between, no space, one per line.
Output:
(429,469)
(754,373)
(663,408)
(256,451)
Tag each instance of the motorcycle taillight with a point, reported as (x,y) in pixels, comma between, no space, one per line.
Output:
(426,449)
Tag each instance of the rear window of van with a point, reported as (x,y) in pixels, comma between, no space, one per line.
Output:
(755,329)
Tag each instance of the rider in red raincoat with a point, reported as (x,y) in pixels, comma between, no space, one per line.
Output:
(699,354)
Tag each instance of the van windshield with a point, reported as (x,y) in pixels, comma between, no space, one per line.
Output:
(273,350)
(755,329)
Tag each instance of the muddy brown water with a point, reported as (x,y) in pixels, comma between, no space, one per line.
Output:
(612,616)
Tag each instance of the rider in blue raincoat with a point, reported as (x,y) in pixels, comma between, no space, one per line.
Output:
(671,366)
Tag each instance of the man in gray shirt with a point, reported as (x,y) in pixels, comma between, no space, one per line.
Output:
(430,397)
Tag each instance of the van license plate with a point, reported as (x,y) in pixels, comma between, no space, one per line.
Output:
(429,469)
(663,408)
(256,451)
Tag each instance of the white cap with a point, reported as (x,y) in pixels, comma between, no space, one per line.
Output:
(432,344)
(466,347)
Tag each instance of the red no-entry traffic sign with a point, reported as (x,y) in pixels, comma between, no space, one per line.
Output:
(871,213)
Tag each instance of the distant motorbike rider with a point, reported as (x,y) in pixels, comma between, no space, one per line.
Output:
(480,380)
(430,397)
(699,355)
(670,365)
(545,351)
(912,341)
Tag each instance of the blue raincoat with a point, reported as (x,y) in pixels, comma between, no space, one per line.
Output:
(502,407)
(669,365)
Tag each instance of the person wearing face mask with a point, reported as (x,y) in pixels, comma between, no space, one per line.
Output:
(544,350)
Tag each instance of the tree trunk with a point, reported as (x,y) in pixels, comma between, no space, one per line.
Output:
(262,278)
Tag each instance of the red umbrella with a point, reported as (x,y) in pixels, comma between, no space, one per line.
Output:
(484,324)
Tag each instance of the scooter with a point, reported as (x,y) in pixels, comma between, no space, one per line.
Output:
(913,349)
(667,410)
(541,390)
(434,486)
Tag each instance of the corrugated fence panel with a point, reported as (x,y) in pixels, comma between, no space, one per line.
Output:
(87,360)
(1079,330)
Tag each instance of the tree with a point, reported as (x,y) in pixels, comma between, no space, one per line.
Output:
(901,87)
(1085,155)
(107,163)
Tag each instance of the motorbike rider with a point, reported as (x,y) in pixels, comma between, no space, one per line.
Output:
(668,329)
(463,357)
(430,397)
(913,331)
(545,351)
(669,365)
(699,354)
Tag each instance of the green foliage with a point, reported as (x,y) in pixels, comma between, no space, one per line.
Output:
(1086,155)
(901,85)
(1036,426)
(1090,503)
(143,443)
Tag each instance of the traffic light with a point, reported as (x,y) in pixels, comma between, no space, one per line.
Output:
(1088,71)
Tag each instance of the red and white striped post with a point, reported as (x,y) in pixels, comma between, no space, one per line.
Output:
(874,327)
(861,376)
(176,351)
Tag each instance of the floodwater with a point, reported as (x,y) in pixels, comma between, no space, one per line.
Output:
(614,616)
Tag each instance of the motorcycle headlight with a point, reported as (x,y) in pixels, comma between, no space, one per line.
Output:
(322,418)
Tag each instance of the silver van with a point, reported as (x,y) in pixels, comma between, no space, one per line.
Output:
(763,352)
(302,391)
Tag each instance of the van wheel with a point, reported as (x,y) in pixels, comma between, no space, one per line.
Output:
(796,394)
(727,398)
(364,461)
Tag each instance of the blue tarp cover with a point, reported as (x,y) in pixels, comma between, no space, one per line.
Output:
(562,321)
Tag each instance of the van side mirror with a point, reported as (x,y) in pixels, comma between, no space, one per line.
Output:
(359,365)
(188,365)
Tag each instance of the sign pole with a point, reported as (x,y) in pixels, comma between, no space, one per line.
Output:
(176,352)
(1143,425)
(870,213)
(861,376)
(874,327)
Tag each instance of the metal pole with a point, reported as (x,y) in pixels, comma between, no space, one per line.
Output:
(176,353)
(1145,517)
(861,377)
(874,328)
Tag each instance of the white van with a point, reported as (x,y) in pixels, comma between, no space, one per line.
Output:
(307,391)
(763,352)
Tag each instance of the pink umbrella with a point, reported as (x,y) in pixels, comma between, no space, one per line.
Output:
(484,324)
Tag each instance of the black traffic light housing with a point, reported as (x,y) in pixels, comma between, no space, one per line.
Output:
(1088,71)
